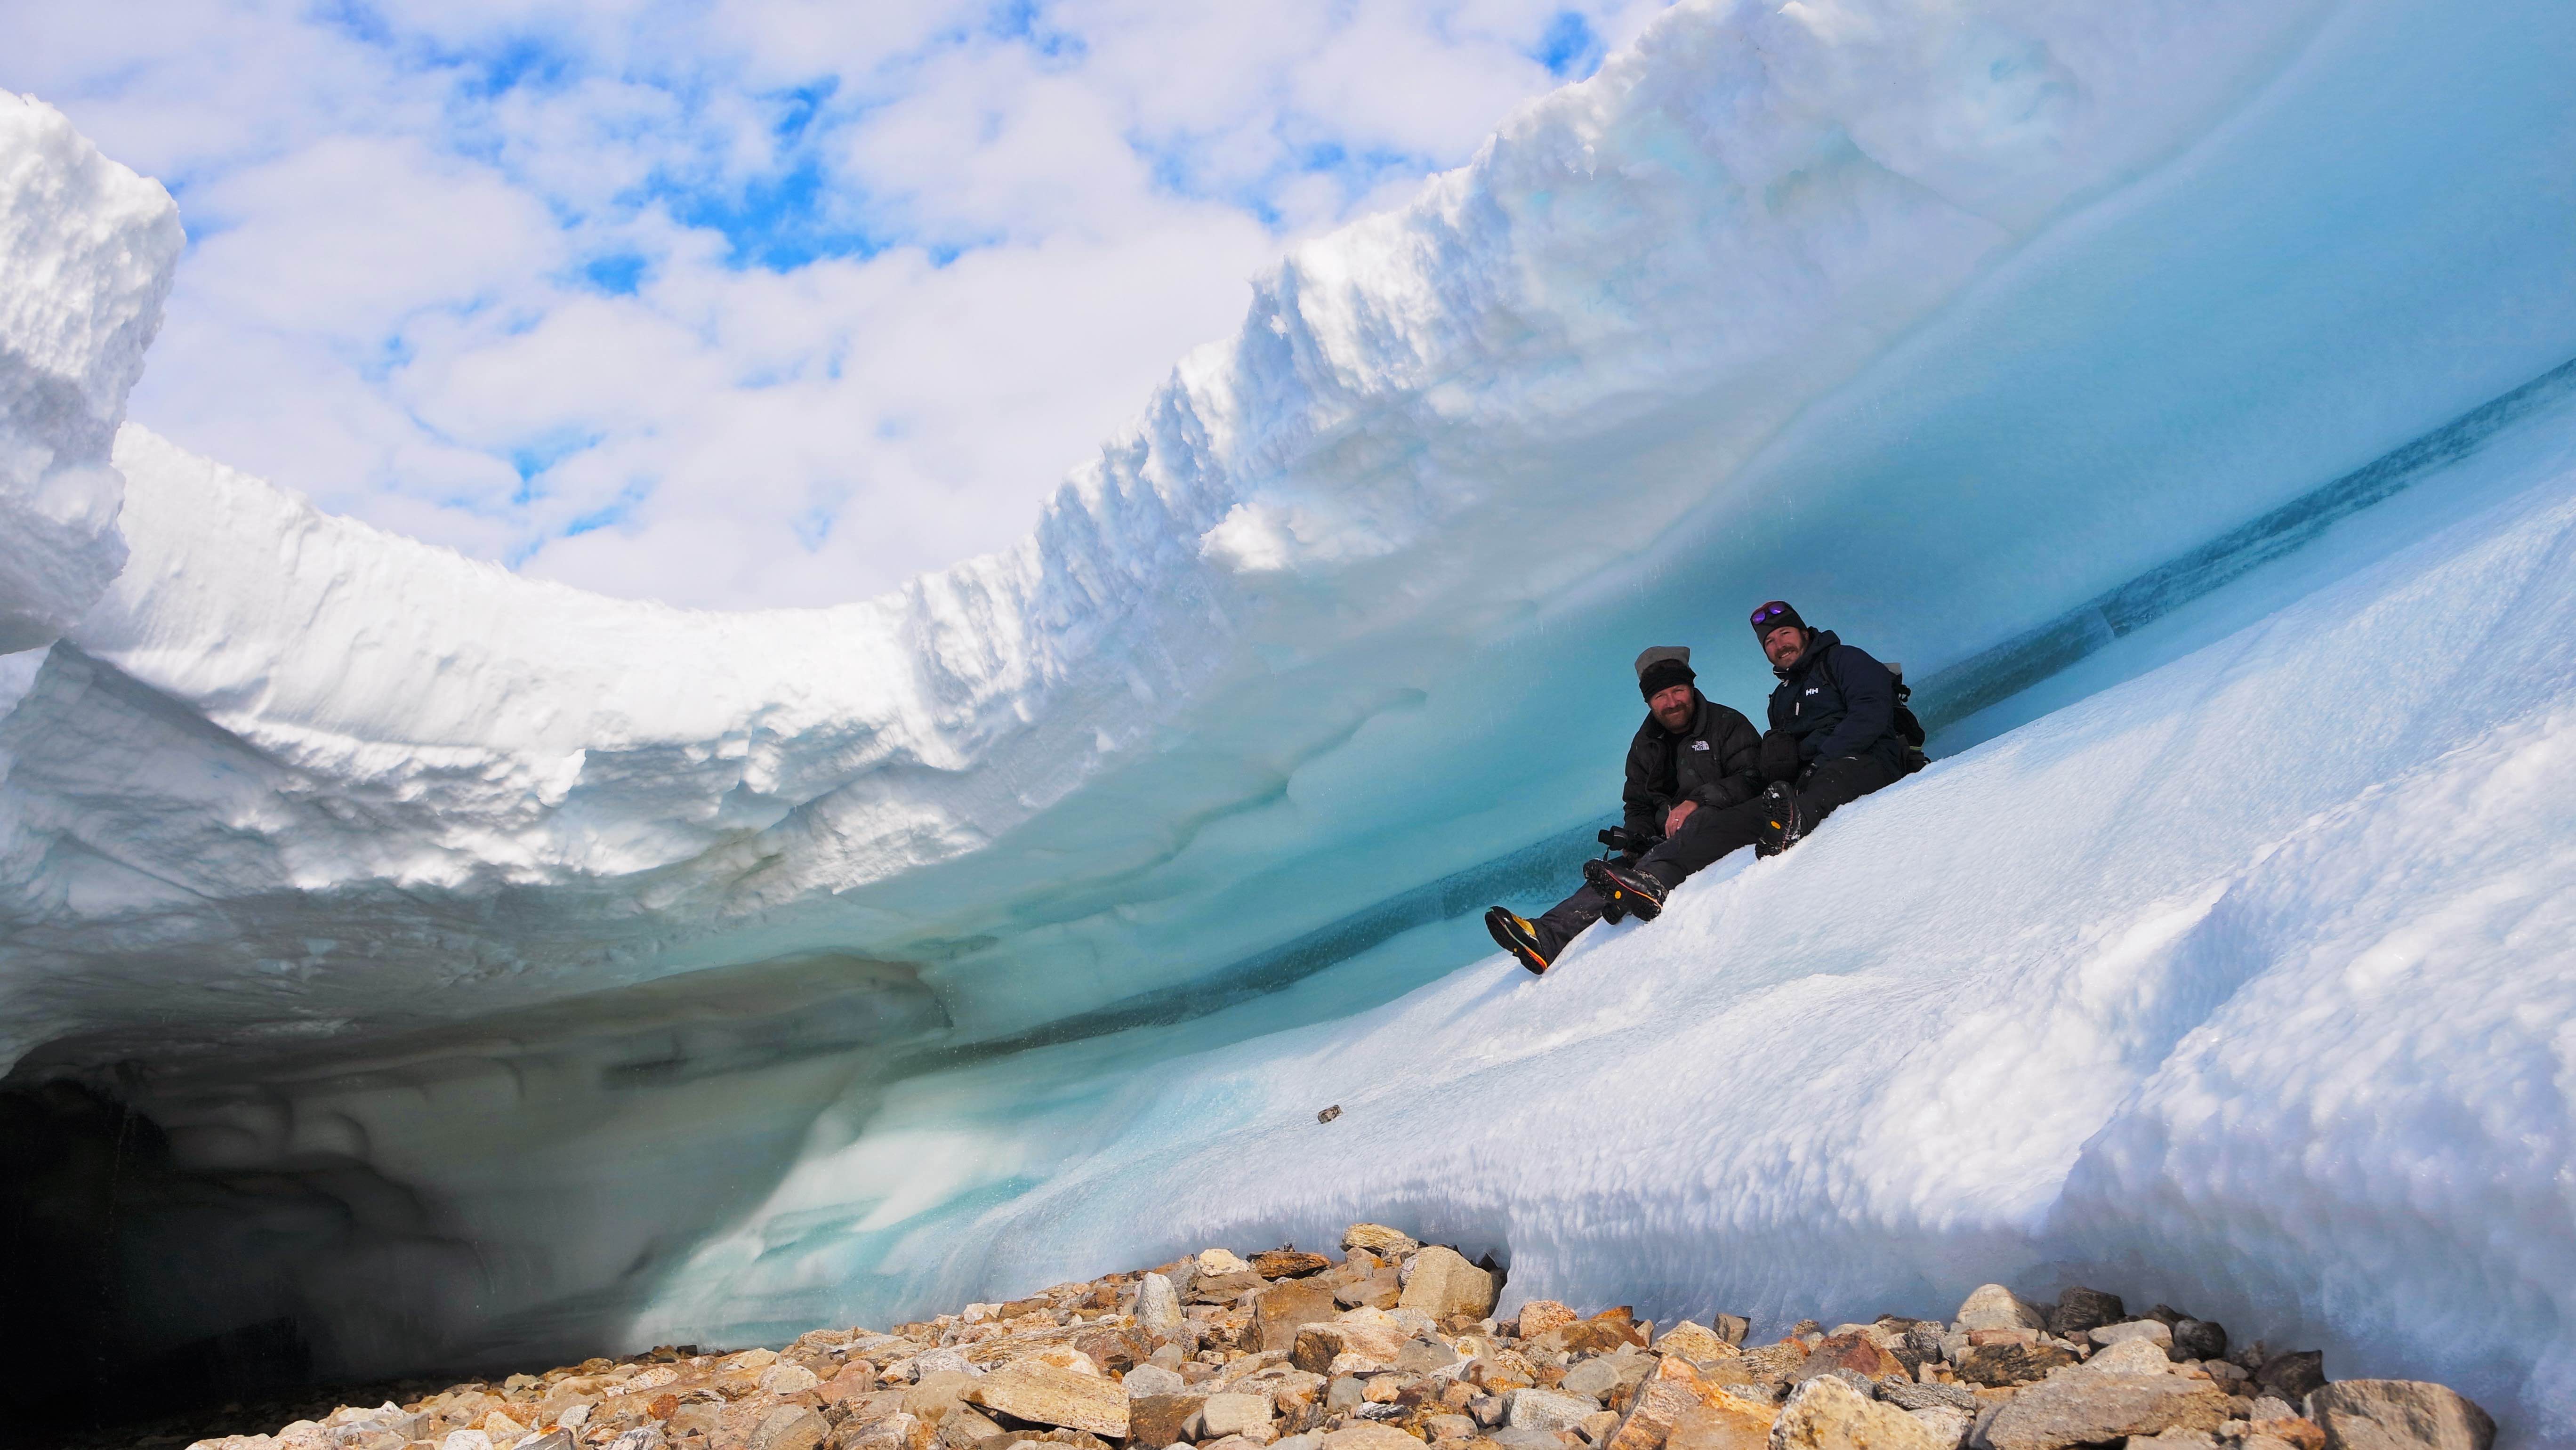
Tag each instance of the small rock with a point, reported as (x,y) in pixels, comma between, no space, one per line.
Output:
(456,1440)
(1538,1316)
(1378,1239)
(1948,1423)
(2081,1309)
(2153,1331)
(1311,1440)
(1052,1396)
(1992,1306)
(1218,1261)
(2296,1431)
(1594,1379)
(2399,1415)
(2199,1339)
(1223,1288)
(1931,1397)
(1445,1286)
(1694,1342)
(1288,1264)
(1856,1352)
(1545,1410)
(1230,1414)
(1424,1356)
(642,1437)
(1287,1307)
(1450,1427)
(942,1361)
(2130,1356)
(2293,1376)
(784,1379)
(1152,1379)
(1158,1419)
(2086,1409)
(1328,1114)
(789,1427)
(1366,1436)
(1730,1327)
(1827,1414)
(1158,1307)
(2001,1366)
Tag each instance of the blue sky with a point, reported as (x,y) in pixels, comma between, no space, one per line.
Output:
(742,302)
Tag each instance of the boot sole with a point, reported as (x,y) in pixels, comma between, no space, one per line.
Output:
(1521,951)
(1633,903)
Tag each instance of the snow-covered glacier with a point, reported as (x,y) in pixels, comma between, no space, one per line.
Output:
(2179,390)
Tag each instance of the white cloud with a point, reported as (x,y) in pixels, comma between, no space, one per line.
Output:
(771,301)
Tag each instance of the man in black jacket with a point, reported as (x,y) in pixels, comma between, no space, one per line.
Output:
(1692,758)
(1833,739)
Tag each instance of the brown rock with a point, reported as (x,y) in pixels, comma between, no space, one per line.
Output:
(1724,1423)
(2086,1409)
(1284,1308)
(2399,1415)
(1667,1397)
(1730,1327)
(2294,1431)
(1051,1396)
(790,1427)
(1854,1351)
(1538,1316)
(1445,1286)
(1379,1290)
(1155,1421)
(935,1395)
(854,1380)
(1827,1414)
(1599,1335)
(1288,1264)
(1369,1436)
(1223,1288)
(1777,1362)
(1378,1239)
(2000,1366)
(964,1429)
(1695,1342)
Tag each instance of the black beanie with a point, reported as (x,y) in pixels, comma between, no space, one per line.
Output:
(1772,615)
(1661,668)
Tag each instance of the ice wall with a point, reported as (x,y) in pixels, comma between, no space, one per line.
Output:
(86,250)
(2241,985)
(571,957)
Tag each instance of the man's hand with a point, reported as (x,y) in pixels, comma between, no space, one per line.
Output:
(1680,813)
(1779,756)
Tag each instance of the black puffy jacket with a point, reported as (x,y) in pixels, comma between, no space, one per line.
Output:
(1716,761)
(1838,700)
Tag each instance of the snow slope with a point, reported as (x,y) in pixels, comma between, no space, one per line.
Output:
(513,969)
(2245,985)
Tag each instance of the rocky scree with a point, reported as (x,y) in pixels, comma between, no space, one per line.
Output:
(1395,1345)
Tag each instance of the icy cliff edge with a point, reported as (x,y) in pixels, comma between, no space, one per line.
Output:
(86,251)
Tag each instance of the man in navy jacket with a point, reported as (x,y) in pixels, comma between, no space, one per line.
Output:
(1833,739)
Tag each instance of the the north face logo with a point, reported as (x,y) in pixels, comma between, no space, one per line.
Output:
(1699,745)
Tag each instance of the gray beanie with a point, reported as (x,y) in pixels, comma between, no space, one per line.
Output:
(1661,668)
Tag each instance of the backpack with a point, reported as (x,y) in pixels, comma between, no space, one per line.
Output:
(1908,728)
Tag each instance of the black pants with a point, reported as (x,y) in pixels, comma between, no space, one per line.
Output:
(1713,831)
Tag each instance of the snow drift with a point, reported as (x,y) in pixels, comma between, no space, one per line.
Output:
(510,969)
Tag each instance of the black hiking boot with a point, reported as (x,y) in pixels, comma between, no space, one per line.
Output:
(1628,889)
(1520,936)
(1784,820)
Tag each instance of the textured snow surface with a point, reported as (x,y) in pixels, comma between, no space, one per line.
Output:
(86,249)
(523,970)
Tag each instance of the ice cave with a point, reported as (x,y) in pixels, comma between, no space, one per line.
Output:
(411,964)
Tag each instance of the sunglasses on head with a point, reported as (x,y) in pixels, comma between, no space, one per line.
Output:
(1770,611)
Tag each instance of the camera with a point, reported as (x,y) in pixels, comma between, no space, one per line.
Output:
(1620,838)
